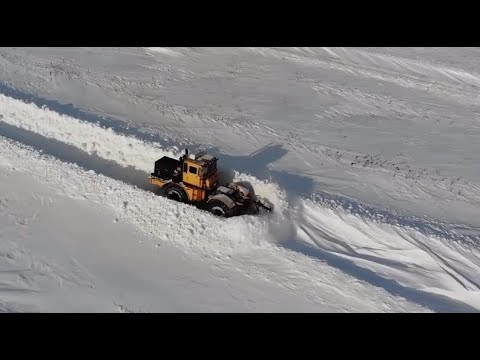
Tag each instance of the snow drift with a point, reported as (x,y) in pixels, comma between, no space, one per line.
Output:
(299,235)
(236,246)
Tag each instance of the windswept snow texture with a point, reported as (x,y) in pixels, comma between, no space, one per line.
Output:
(369,155)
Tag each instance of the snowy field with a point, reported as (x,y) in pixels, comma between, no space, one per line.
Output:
(371,157)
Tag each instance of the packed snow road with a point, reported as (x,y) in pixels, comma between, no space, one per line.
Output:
(336,259)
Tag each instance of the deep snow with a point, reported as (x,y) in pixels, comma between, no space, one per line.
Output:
(369,155)
(389,127)
(78,241)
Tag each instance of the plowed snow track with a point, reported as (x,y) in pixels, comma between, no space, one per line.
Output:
(403,262)
(245,245)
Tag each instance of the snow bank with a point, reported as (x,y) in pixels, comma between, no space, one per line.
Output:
(298,235)
(238,244)
(91,138)
(107,144)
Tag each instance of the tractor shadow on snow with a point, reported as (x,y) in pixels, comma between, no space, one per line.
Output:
(260,165)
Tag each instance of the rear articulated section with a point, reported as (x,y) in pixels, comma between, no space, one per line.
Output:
(237,199)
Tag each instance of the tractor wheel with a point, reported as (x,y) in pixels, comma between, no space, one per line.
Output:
(218,208)
(176,193)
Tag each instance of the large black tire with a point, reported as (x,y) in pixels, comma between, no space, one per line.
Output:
(176,193)
(218,208)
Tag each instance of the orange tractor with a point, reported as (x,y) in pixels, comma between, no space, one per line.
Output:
(194,179)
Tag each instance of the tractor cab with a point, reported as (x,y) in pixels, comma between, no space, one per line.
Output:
(199,170)
(194,179)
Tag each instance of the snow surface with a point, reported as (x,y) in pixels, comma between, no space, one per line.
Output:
(370,156)
(80,241)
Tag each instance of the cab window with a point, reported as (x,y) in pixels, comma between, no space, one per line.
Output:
(193,170)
